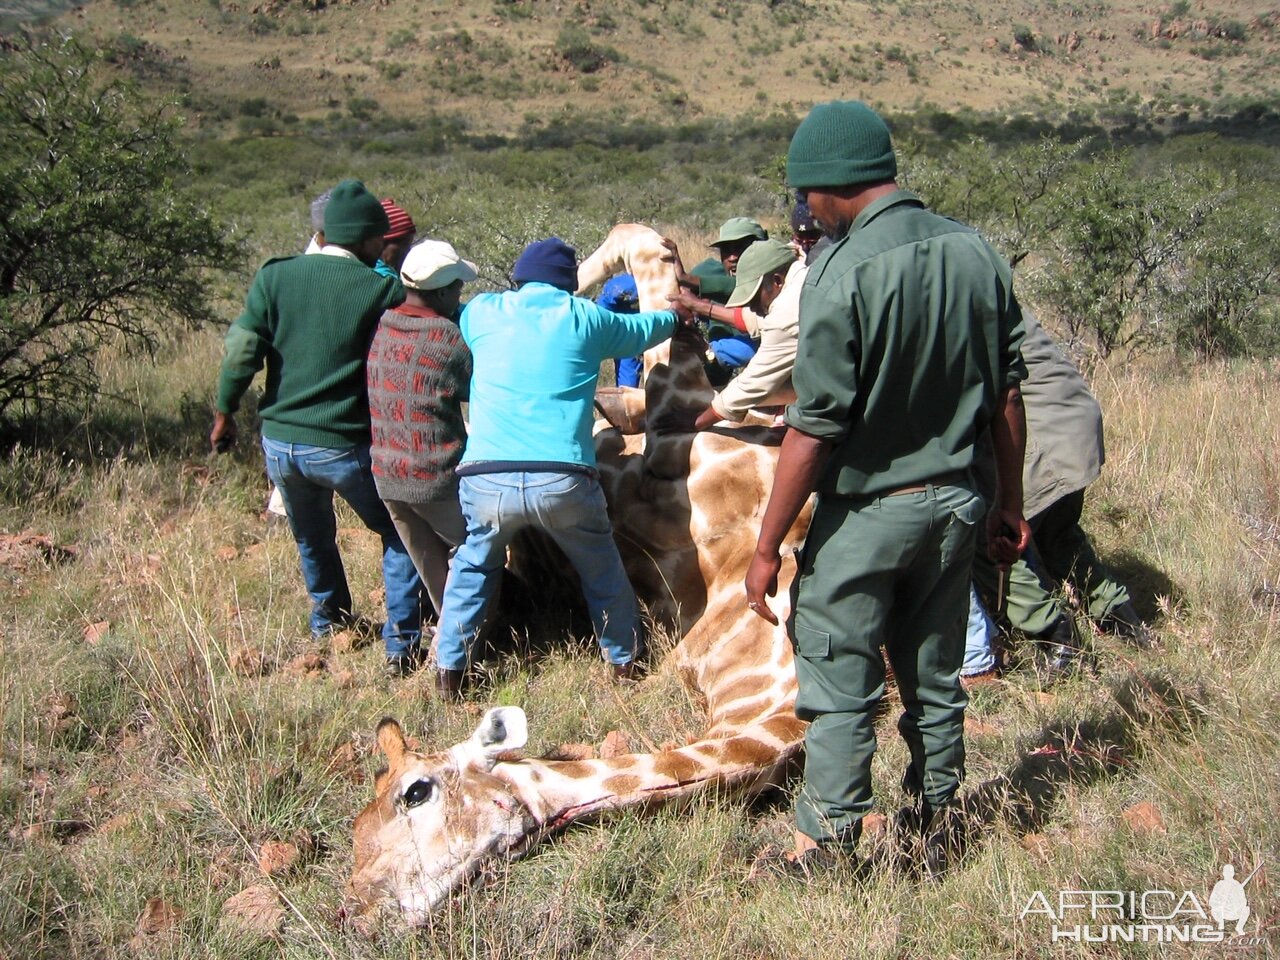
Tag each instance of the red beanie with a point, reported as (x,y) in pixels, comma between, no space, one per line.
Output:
(401,223)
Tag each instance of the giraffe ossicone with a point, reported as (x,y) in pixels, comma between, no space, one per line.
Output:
(686,513)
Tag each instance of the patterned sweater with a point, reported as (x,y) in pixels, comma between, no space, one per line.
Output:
(418,374)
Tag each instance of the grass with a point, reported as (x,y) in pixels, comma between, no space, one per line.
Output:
(156,761)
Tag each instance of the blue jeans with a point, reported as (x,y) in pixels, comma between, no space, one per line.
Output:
(307,477)
(979,655)
(570,508)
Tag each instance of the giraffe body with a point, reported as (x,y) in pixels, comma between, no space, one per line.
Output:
(686,532)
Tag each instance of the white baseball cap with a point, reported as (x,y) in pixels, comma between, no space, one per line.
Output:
(433,264)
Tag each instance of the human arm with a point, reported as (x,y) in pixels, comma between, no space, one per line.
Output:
(683,276)
(244,350)
(1008,532)
(768,372)
(743,319)
(800,464)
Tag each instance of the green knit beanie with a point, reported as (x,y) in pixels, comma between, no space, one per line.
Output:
(353,214)
(838,144)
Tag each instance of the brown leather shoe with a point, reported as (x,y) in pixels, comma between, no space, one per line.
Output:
(449,685)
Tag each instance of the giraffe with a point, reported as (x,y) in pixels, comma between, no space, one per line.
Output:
(438,818)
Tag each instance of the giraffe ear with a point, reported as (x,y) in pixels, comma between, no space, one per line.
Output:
(502,729)
(391,740)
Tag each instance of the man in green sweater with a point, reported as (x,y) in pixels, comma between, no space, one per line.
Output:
(310,320)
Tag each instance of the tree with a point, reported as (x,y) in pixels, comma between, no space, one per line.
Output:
(1116,235)
(100,244)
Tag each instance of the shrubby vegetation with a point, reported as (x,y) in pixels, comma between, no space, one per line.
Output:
(101,244)
(1127,247)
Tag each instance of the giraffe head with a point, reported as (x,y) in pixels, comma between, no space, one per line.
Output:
(437,818)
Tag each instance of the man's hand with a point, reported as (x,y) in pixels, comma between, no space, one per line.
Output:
(761,582)
(223,435)
(682,305)
(1008,534)
(686,421)
(688,336)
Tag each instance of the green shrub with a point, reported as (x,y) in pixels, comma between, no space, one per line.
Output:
(577,48)
(98,243)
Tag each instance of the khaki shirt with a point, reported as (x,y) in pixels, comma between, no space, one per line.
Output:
(1064,424)
(766,379)
(909,334)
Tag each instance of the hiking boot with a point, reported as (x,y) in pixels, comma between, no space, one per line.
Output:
(627,674)
(929,840)
(401,665)
(1124,622)
(449,685)
(805,866)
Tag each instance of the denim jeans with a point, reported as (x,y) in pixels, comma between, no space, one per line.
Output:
(307,477)
(570,508)
(979,640)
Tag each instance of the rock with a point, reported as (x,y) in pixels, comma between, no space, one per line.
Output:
(305,665)
(615,744)
(248,661)
(95,633)
(255,911)
(1144,818)
(572,751)
(276,857)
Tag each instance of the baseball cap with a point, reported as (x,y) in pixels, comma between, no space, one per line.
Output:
(761,258)
(433,264)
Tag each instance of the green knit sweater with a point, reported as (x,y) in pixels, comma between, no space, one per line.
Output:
(310,319)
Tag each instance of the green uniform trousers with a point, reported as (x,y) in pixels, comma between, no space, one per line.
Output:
(1029,605)
(1068,556)
(887,573)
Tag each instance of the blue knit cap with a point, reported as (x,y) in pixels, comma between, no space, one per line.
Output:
(620,294)
(548,261)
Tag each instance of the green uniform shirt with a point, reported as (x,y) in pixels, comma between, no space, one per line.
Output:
(715,283)
(909,333)
(310,319)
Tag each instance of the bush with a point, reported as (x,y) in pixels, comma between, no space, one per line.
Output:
(98,245)
(576,47)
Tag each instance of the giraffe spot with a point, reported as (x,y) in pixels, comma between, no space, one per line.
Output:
(786,729)
(747,751)
(622,785)
(677,766)
(746,687)
(575,770)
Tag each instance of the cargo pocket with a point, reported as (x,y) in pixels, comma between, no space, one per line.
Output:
(812,644)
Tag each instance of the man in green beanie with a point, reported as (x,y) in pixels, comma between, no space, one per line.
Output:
(309,319)
(909,350)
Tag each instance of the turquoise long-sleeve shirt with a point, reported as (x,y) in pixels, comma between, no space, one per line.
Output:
(536,355)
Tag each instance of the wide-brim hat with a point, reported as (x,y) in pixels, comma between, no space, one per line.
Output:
(433,264)
(740,228)
(758,261)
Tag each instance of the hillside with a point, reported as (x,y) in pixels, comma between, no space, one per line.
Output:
(498,64)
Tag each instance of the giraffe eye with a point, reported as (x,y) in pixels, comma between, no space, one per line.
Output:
(419,792)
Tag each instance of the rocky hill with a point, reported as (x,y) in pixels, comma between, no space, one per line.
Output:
(498,64)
